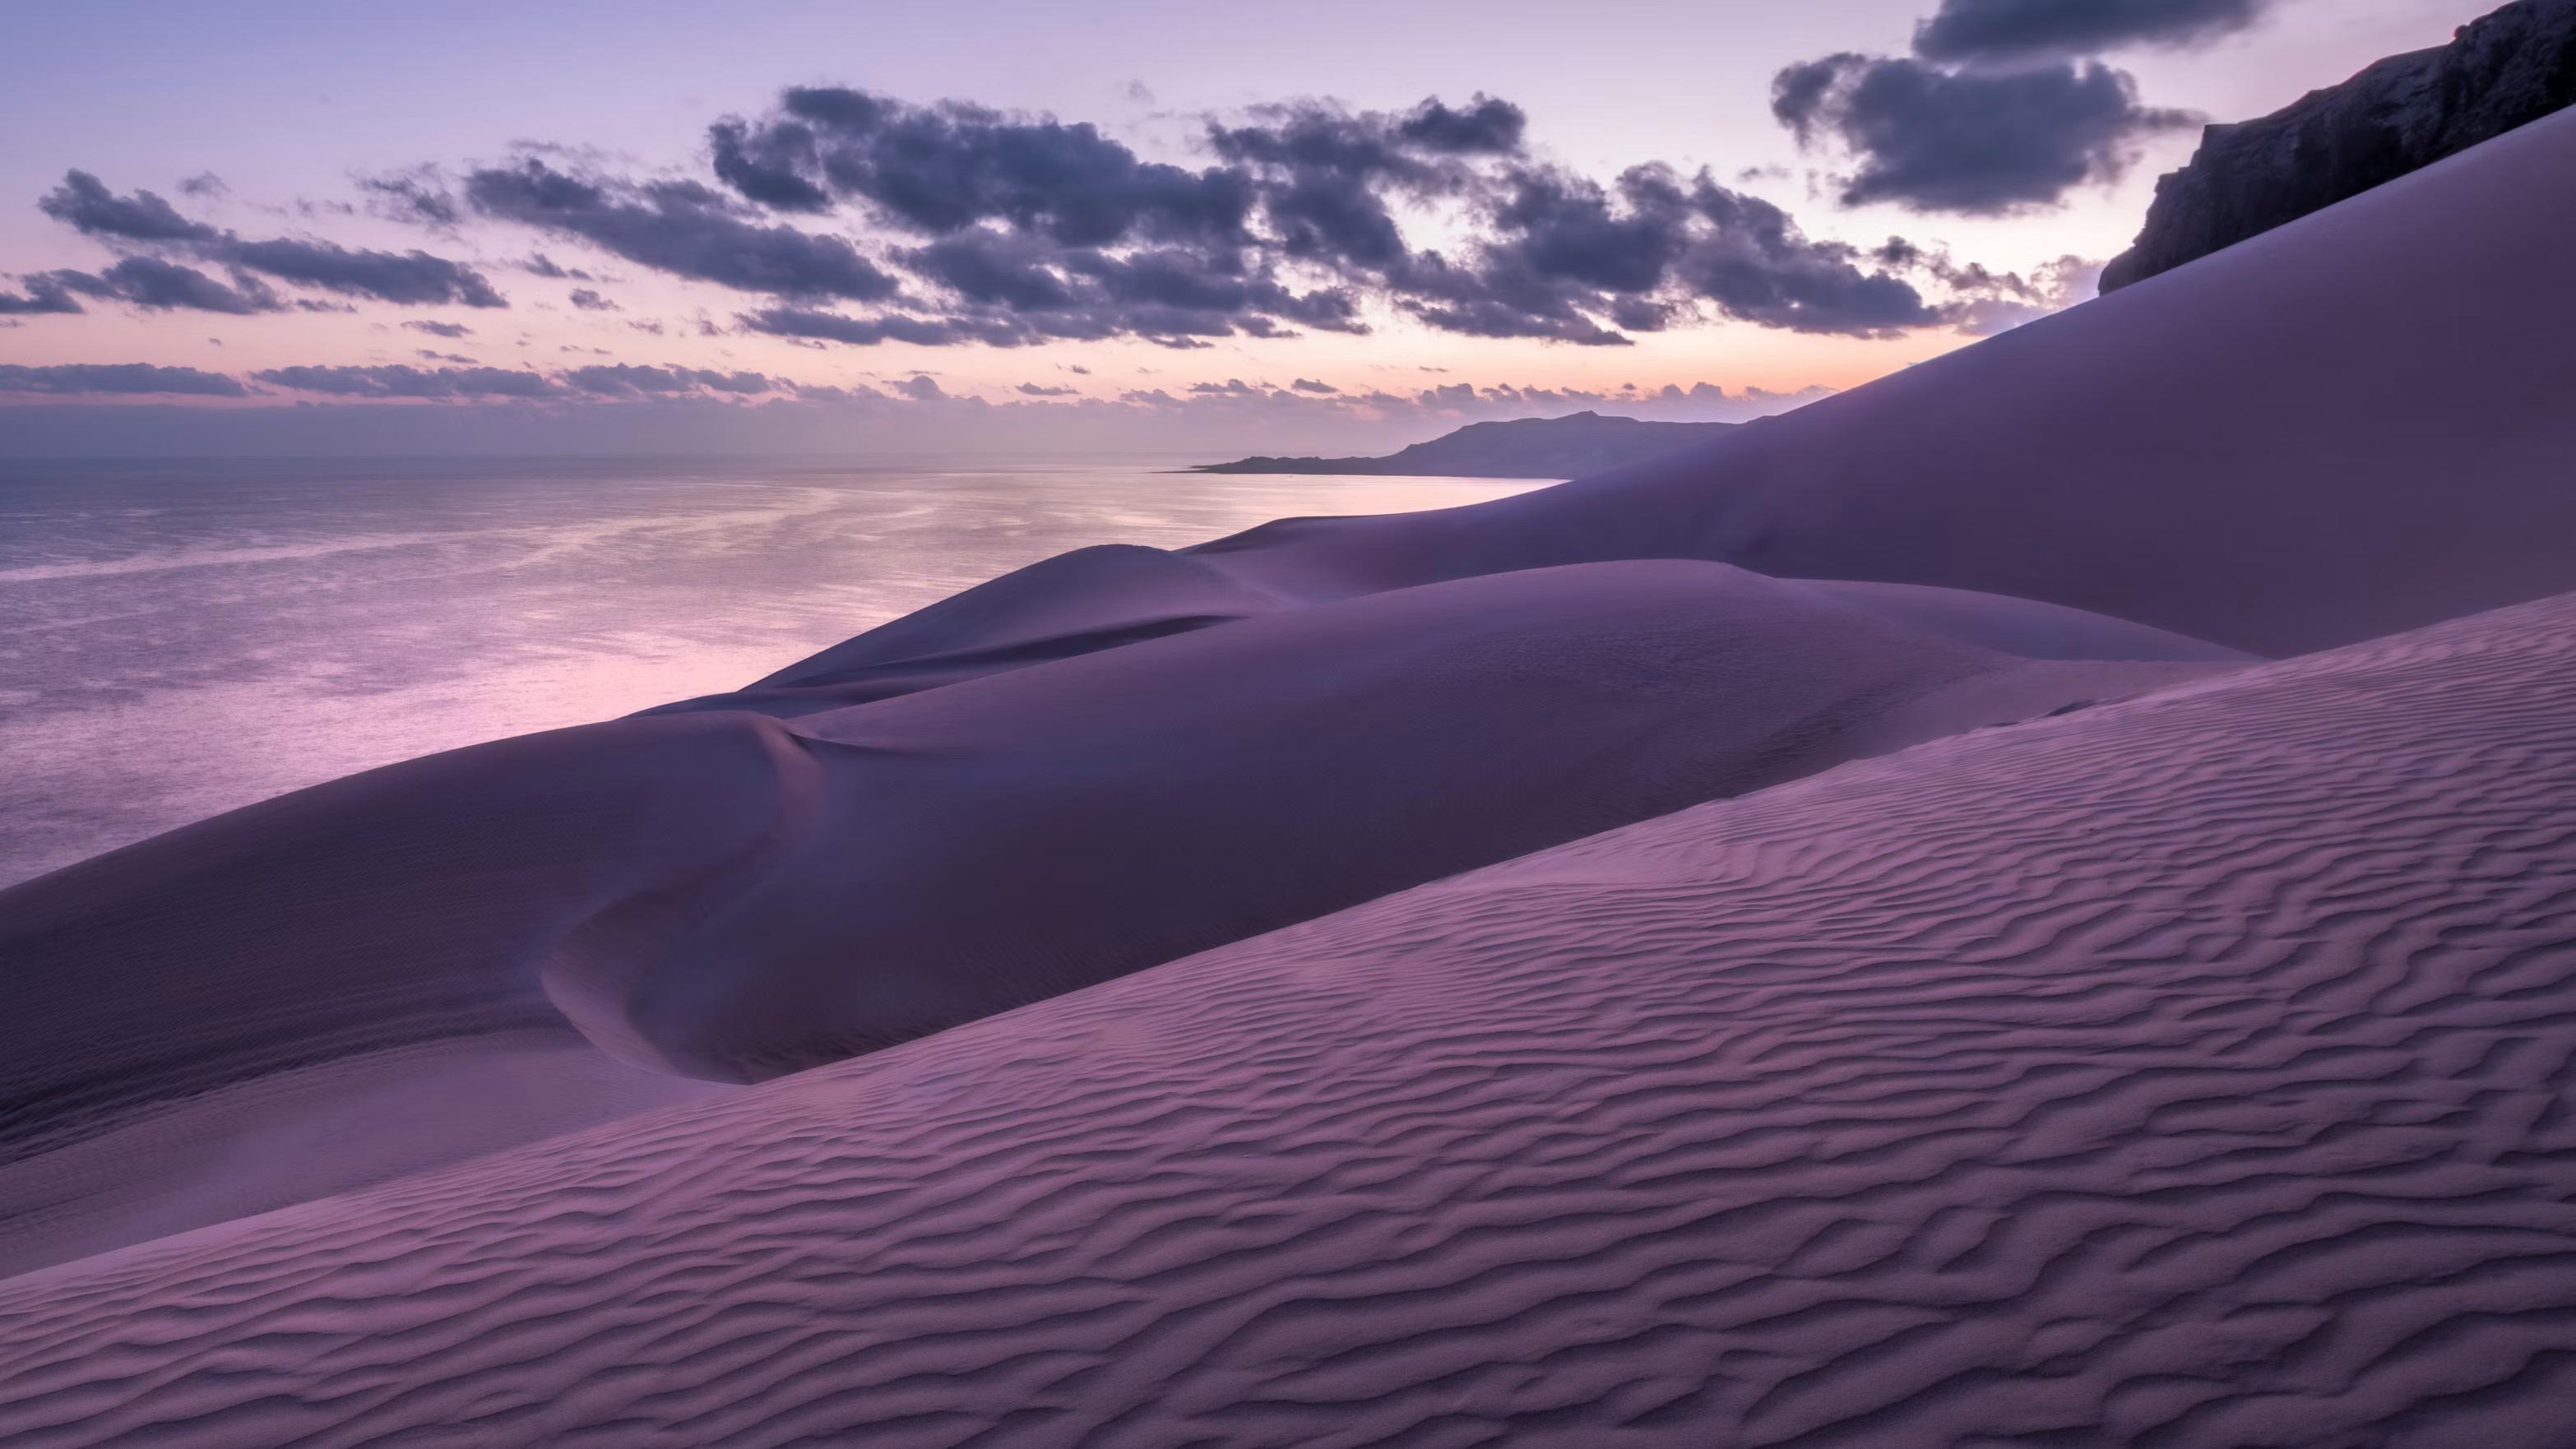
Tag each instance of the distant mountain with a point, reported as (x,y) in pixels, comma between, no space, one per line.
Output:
(1566,447)
(2400,115)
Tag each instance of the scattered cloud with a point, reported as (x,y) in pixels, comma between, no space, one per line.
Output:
(146,220)
(1009,229)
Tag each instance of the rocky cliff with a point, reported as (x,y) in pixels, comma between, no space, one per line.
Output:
(2405,112)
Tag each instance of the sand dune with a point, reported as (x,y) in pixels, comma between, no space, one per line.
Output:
(2190,1072)
(2186,1062)
(718,895)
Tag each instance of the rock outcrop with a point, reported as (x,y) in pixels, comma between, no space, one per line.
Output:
(2404,113)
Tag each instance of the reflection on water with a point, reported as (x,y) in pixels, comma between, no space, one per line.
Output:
(177,640)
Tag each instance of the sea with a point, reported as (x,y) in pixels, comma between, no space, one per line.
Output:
(179,639)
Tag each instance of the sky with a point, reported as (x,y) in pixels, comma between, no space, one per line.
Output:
(801,226)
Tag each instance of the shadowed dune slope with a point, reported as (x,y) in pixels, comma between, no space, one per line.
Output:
(2191,1072)
(2352,425)
(723,896)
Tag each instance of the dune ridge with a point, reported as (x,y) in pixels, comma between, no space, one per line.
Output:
(2223,1102)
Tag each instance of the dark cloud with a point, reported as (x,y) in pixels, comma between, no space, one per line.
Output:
(802,322)
(145,220)
(627,380)
(1013,290)
(1968,141)
(996,269)
(544,266)
(1487,127)
(204,183)
(468,381)
(1211,289)
(458,358)
(1983,30)
(1498,299)
(156,285)
(1308,384)
(679,227)
(942,168)
(735,382)
(419,195)
(45,292)
(409,278)
(1082,292)
(1566,227)
(84,203)
(1032,389)
(1410,145)
(1564,253)
(448,330)
(1755,264)
(921,389)
(401,380)
(1042,229)
(1027,229)
(1032,229)
(1326,176)
(131,378)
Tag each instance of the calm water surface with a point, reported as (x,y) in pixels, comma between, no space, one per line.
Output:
(177,640)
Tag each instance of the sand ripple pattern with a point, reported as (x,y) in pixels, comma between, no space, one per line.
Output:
(2193,1071)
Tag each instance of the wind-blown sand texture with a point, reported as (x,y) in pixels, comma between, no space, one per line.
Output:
(1916,994)
(2192,1071)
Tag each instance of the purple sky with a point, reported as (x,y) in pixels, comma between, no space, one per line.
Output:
(347,205)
